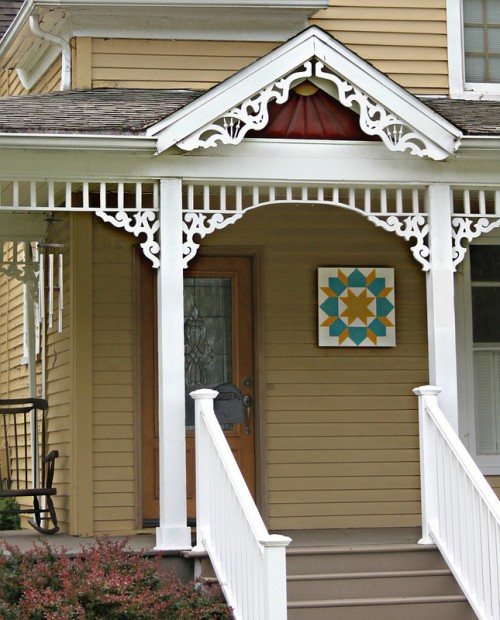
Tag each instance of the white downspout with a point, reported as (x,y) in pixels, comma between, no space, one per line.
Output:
(65,50)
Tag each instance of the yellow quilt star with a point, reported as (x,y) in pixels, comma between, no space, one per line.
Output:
(357,307)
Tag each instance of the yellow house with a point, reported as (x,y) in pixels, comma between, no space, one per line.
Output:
(279,196)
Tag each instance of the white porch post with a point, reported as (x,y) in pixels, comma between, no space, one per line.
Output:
(173,533)
(440,301)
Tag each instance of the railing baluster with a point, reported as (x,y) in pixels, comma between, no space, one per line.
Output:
(230,527)
(464,507)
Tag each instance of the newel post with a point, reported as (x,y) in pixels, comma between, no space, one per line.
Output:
(203,402)
(427,397)
(276,600)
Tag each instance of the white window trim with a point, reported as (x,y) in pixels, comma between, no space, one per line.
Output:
(459,88)
(488,464)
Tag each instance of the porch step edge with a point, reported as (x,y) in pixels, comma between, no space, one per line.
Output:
(369,575)
(367,602)
(395,548)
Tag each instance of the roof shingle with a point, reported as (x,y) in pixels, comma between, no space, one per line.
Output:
(114,111)
(100,111)
(8,10)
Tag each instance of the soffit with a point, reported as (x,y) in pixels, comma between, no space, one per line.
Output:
(263,20)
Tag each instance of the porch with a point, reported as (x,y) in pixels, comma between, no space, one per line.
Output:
(342,573)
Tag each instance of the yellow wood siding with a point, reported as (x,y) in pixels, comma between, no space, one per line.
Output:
(406,40)
(10,84)
(112,381)
(59,386)
(495,483)
(128,63)
(341,423)
(13,374)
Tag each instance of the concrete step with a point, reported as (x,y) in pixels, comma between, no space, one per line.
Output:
(423,608)
(371,585)
(303,560)
(372,582)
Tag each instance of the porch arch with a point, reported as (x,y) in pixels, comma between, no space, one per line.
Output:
(208,207)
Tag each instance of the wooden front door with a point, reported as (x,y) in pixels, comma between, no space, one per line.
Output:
(218,331)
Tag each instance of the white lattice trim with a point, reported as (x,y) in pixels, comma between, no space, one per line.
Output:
(468,229)
(409,227)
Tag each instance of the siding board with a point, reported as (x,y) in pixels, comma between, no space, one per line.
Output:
(341,421)
(408,41)
(112,382)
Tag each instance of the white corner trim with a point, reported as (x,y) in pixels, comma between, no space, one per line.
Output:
(455,35)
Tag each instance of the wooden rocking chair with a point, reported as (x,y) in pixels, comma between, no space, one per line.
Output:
(25,468)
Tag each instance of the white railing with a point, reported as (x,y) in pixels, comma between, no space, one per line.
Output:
(250,563)
(460,511)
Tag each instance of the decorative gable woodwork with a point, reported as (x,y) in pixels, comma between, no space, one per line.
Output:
(312,114)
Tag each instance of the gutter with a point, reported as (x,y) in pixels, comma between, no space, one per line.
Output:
(480,143)
(78,142)
(61,43)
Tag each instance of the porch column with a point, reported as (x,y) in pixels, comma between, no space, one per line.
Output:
(173,533)
(441,302)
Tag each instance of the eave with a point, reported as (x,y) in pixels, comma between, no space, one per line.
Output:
(274,20)
(71,142)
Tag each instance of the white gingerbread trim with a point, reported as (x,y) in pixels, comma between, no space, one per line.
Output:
(376,120)
(203,224)
(408,227)
(143,222)
(397,209)
(469,228)
(253,115)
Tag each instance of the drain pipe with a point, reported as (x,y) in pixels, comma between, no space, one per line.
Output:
(65,50)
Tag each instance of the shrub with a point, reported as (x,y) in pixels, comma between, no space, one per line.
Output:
(103,581)
(9,522)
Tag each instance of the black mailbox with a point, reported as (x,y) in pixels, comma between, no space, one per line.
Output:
(228,405)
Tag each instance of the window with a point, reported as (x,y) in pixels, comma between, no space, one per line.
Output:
(482,40)
(477,296)
(485,299)
(474,48)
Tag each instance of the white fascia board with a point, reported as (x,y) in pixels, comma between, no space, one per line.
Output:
(78,142)
(313,42)
(14,29)
(217,23)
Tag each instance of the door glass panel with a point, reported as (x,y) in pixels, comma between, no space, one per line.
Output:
(207,331)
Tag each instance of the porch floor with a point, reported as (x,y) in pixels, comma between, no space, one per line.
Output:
(24,539)
(145,541)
